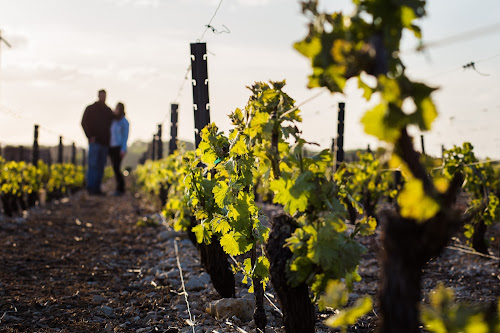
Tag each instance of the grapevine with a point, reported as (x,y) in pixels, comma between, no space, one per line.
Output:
(20,182)
(479,179)
(367,44)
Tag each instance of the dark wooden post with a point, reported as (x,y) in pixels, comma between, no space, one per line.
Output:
(84,158)
(423,145)
(172,144)
(36,148)
(160,142)
(153,148)
(199,73)
(60,151)
(212,255)
(442,151)
(21,153)
(340,135)
(73,153)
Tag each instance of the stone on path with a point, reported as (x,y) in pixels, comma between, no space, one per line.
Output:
(242,308)
(167,234)
(98,299)
(107,311)
(197,283)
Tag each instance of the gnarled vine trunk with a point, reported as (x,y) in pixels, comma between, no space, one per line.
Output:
(14,206)
(7,206)
(163,195)
(215,261)
(408,245)
(22,203)
(298,310)
(368,204)
(479,237)
(32,198)
(259,315)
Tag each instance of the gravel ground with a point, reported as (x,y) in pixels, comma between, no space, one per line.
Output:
(83,265)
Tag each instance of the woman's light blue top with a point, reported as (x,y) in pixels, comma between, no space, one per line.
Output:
(119,134)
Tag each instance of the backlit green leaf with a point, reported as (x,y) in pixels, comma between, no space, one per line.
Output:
(239,147)
(415,204)
(309,48)
(374,122)
(235,244)
(367,91)
(220,192)
(351,315)
(407,16)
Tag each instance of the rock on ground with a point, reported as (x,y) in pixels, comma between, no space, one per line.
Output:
(242,308)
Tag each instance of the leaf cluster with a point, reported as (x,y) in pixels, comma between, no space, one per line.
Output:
(321,246)
(364,184)
(220,190)
(480,182)
(19,178)
(336,296)
(444,315)
(168,174)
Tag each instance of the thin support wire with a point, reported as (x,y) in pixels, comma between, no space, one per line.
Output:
(313,97)
(218,32)
(442,167)
(179,91)
(191,321)
(18,115)
(464,250)
(472,65)
(467,35)
(240,330)
(455,69)
(273,305)
(209,25)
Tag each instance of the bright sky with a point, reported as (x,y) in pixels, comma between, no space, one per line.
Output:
(138,50)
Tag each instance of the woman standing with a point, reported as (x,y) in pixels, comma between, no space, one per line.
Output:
(118,145)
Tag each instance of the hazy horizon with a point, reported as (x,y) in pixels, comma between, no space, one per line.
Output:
(138,50)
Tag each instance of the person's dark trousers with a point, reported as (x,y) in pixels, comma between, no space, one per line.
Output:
(97,161)
(116,161)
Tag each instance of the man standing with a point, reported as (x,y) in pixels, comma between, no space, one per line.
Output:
(96,123)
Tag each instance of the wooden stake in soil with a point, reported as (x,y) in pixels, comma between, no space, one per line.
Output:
(36,151)
(153,148)
(339,142)
(60,151)
(212,255)
(172,144)
(84,158)
(423,144)
(160,142)
(73,153)
(199,73)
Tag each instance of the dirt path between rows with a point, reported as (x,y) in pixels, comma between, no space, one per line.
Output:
(60,265)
